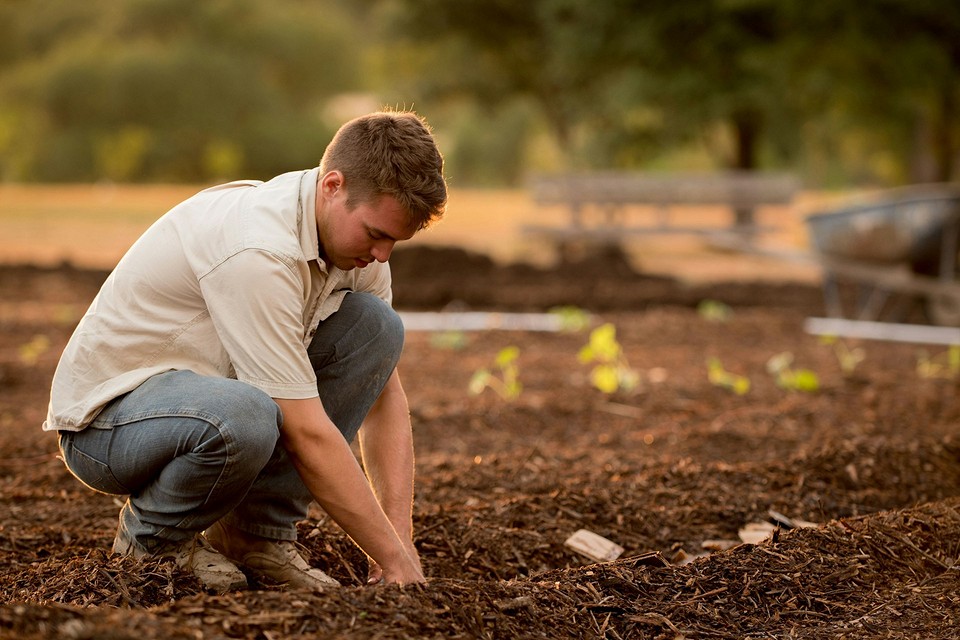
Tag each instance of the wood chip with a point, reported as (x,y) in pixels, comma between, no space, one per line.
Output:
(756,532)
(719,545)
(594,546)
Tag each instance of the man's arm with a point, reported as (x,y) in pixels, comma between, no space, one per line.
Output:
(386,444)
(330,471)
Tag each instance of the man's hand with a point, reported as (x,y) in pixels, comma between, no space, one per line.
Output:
(375,573)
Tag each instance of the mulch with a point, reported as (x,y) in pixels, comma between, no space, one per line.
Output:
(892,574)
(671,472)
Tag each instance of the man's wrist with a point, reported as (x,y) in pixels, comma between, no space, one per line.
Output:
(405,533)
(402,522)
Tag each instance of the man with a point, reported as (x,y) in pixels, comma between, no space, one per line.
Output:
(233,354)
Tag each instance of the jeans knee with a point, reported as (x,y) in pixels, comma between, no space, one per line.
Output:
(382,322)
(251,418)
(392,331)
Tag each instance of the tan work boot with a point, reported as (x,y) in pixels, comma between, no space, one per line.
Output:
(216,572)
(277,560)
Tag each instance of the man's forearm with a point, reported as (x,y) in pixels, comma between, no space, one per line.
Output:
(386,443)
(331,473)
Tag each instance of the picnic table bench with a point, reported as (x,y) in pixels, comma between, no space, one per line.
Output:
(599,204)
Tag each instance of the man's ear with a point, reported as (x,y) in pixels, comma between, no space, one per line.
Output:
(331,182)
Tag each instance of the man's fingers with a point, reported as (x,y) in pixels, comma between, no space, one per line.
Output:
(374,574)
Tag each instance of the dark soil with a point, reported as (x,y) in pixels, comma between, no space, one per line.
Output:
(666,471)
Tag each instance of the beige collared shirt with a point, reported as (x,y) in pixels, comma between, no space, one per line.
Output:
(228,283)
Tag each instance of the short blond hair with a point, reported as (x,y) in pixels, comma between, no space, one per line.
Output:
(390,153)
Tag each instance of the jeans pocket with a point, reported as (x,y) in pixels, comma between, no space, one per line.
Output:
(88,470)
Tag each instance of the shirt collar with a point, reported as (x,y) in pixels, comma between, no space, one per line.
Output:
(307,215)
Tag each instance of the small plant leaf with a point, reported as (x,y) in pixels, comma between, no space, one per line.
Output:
(586,354)
(507,356)
(451,340)
(944,365)
(780,362)
(603,343)
(714,311)
(478,382)
(806,380)
(720,377)
(612,372)
(505,382)
(604,377)
(31,351)
(571,318)
(741,385)
(628,379)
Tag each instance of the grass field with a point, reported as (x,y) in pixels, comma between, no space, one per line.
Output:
(92,226)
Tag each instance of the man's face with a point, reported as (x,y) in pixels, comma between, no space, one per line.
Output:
(353,238)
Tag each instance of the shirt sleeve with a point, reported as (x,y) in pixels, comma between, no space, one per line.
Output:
(255,300)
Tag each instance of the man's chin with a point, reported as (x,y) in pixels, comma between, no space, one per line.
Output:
(347,264)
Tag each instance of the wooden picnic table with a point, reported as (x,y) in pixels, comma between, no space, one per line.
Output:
(600,205)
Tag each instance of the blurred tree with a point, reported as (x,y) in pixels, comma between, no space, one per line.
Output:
(187,90)
(486,145)
(168,89)
(615,80)
(559,53)
(892,68)
(706,62)
(863,87)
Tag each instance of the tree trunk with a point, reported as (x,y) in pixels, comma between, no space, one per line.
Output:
(746,126)
(944,147)
(746,131)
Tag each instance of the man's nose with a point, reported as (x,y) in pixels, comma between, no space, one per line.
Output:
(381,250)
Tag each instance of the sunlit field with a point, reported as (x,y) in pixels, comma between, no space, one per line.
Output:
(92,225)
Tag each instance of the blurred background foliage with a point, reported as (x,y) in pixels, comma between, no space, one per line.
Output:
(840,93)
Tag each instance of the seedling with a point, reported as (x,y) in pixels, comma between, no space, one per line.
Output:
(612,372)
(848,358)
(30,352)
(787,377)
(724,379)
(943,365)
(572,319)
(449,340)
(714,311)
(505,381)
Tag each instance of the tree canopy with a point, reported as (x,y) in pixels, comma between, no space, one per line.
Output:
(167,89)
(184,90)
(859,89)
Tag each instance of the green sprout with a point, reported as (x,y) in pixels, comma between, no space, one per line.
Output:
(449,340)
(787,377)
(30,352)
(714,311)
(505,382)
(943,365)
(571,318)
(722,378)
(612,372)
(848,358)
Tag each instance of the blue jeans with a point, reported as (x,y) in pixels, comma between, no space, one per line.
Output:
(189,450)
